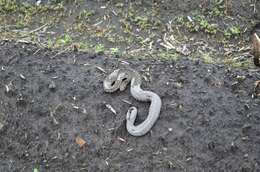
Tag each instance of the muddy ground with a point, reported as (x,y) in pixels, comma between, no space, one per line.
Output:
(208,122)
(193,54)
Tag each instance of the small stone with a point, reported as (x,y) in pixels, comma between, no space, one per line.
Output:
(246,106)
(233,147)
(241,78)
(246,138)
(211,145)
(188,159)
(52,85)
(246,155)
(164,149)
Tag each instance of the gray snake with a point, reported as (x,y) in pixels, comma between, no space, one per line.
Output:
(119,79)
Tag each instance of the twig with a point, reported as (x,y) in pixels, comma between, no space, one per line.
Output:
(60,52)
(52,114)
(35,30)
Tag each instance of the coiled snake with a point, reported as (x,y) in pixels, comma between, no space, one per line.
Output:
(119,80)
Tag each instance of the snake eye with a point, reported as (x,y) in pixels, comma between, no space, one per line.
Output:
(113,83)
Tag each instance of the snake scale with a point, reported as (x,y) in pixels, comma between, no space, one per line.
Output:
(119,79)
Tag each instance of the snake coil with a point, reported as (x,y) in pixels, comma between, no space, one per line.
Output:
(119,79)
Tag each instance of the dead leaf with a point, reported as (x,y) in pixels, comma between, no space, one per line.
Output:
(81,142)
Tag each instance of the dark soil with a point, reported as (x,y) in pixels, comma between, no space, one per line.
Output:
(208,122)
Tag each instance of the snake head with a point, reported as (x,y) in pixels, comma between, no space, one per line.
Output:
(116,80)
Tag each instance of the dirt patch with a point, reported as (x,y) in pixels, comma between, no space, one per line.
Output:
(209,120)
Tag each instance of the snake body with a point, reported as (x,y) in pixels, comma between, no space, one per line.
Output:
(119,79)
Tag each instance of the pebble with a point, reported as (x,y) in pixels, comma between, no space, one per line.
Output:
(246,155)
(246,138)
(211,145)
(233,147)
(241,78)
(188,159)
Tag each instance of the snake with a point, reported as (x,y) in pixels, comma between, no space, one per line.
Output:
(118,80)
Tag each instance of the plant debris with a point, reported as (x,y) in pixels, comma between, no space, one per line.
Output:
(111,108)
(80,141)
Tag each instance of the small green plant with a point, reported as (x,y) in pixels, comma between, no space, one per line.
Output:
(232,32)
(65,40)
(197,23)
(83,46)
(99,48)
(85,14)
(127,27)
(50,43)
(218,9)
(114,51)
(141,22)
(205,25)
(36,170)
